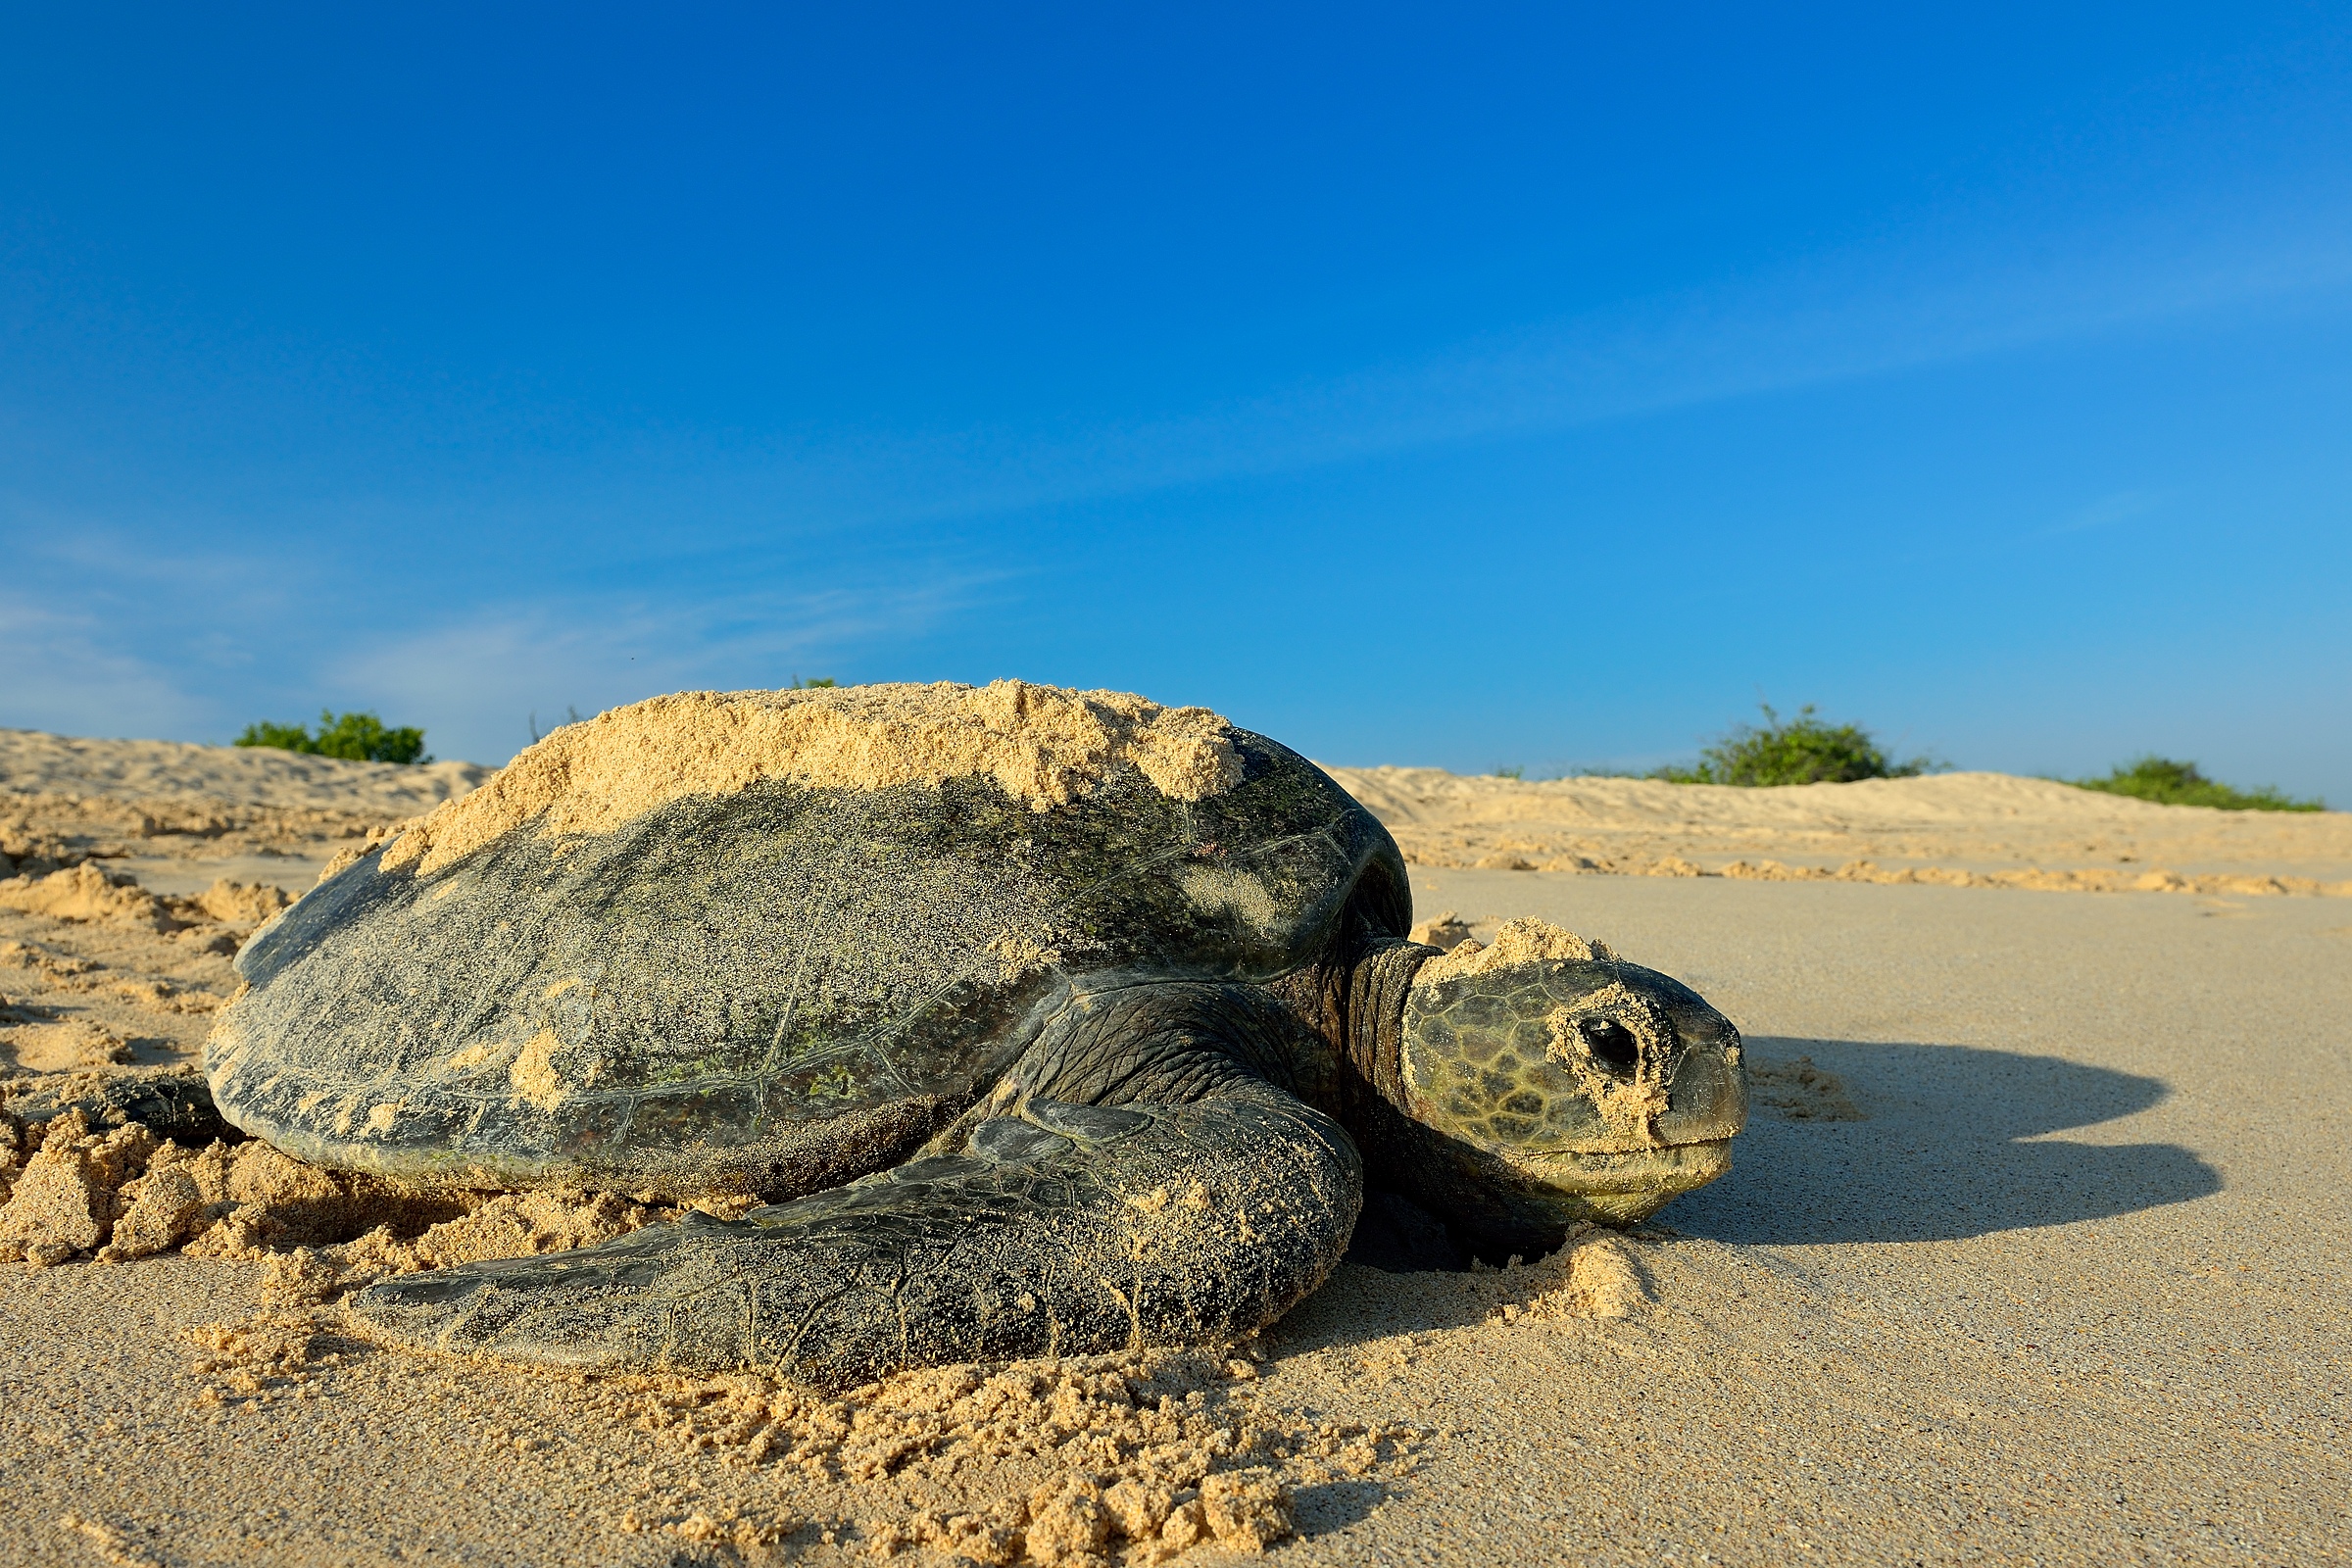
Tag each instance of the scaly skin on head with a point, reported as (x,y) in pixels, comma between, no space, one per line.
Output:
(1519,1091)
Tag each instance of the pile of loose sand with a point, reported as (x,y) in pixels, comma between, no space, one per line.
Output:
(87,894)
(1041,744)
(1138,1457)
(120,1193)
(1145,1454)
(68,1189)
(1515,941)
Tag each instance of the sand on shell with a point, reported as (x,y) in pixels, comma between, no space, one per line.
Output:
(2033,1251)
(1041,745)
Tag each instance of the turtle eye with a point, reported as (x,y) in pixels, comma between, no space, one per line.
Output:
(1613,1045)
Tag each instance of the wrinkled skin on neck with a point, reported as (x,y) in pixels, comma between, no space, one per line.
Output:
(1518,1103)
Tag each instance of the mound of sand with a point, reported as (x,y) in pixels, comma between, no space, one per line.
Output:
(68,1189)
(32,763)
(183,817)
(1954,829)
(1041,744)
(1147,1454)
(87,894)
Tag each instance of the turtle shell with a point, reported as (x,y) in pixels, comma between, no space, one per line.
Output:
(769,990)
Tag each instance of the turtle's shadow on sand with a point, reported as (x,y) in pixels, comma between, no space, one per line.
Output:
(1942,1152)
(1948,1147)
(1938,1151)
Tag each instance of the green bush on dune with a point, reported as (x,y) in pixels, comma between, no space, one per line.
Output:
(354,736)
(1803,750)
(2170,783)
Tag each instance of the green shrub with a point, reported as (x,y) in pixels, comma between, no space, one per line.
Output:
(354,736)
(813,683)
(2170,783)
(1803,750)
(279,737)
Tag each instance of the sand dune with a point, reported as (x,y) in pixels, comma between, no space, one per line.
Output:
(180,816)
(32,763)
(1985,824)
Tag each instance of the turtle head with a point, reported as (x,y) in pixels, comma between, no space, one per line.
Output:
(1555,1084)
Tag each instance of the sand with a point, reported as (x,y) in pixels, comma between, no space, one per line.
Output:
(1954,829)
(193,777)
(1041,745)
(180,817)
(1514,942)
(2032,1251)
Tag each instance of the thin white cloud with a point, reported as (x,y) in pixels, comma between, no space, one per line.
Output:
(1840,319)
(71,668)
(99,636)
(2105,512)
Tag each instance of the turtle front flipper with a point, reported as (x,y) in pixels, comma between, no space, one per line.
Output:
(1064,1230)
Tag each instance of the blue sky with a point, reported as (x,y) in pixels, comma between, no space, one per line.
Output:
(1535,386)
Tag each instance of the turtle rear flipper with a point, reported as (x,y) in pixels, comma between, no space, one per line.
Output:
(1066,1230)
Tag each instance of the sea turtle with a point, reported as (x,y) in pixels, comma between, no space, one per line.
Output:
(1041,1022)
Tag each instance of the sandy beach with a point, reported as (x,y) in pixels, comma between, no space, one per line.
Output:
(2031,1252)
(1956,829)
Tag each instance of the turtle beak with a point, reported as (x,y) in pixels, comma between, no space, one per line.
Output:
(1644,1068)
(1662,1093)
